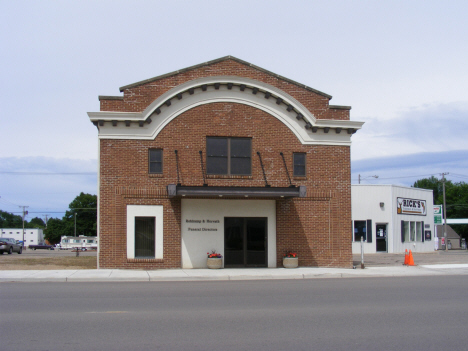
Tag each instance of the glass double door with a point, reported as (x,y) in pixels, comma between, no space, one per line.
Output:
(245,242)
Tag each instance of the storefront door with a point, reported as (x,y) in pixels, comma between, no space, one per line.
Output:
(245,242)
(381,238)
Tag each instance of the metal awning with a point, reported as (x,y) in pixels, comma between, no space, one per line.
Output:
(174,190)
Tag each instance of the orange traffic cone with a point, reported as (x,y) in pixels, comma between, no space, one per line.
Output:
(406,257)
(410,259)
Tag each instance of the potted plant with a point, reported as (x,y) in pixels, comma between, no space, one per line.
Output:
(290,260)
(214,260)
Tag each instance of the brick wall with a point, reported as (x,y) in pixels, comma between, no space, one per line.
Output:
(317,227)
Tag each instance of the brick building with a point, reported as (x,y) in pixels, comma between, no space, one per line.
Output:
(223,156)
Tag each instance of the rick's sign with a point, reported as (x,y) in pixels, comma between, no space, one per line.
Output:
(411,206)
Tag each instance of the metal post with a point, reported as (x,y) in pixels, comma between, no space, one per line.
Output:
(24,212)
(75,224)
(445,212)
(362,253)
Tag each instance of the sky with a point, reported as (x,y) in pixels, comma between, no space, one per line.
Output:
(401,65)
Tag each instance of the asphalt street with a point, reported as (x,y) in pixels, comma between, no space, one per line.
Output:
(407,313)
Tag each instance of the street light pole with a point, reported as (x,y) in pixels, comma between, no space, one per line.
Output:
(24,213)
(359,178)
(445,212)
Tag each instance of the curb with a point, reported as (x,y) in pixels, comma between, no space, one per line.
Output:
(191,275)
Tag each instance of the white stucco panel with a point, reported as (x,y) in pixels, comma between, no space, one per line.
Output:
(203,226)
(145,211)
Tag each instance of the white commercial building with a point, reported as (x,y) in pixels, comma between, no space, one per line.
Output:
(392,219)
(31,236)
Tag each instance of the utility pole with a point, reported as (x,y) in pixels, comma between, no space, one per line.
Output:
(24,213)
(75,223)
(46,219)
(445,212)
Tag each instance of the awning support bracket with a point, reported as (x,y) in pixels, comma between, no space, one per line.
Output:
(202,169)
(287,172)
(177,165)
(263,170)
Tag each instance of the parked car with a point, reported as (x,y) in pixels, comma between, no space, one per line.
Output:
(41,247)
(9,245)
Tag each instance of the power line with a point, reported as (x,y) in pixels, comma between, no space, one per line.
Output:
(459,175)
(413,176)
(12,212)
(8,202)
(422,175)
(49,173)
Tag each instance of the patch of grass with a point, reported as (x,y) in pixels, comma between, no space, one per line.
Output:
(84,262)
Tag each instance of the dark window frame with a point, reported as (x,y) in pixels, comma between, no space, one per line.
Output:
(145,237)
(367,234)
(299,165)
(229,157)
(160,161)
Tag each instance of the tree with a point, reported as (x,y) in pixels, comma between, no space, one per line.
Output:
(84,205)
(54,230)
(431,183)
(456,198)
(9,220)
(36,222)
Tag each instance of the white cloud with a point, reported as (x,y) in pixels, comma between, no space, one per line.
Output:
(432,128)
(406,169)
(28,181)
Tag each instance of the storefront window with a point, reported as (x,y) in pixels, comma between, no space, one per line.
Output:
(412,231)
(418,231)
(406,230)
(360,230)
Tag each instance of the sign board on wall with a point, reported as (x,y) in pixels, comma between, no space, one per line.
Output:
(411,206)
(437,214)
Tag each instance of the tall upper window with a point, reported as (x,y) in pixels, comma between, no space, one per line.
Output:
(231,156)
(299,163)
(155,161)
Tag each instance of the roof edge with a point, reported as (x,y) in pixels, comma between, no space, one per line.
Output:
(107,97)
(339,107)
(224,58)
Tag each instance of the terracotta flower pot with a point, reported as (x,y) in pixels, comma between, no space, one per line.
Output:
(290,262)
(214,263)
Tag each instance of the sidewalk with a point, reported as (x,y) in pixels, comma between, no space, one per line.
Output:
(117,275)
(454,262)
